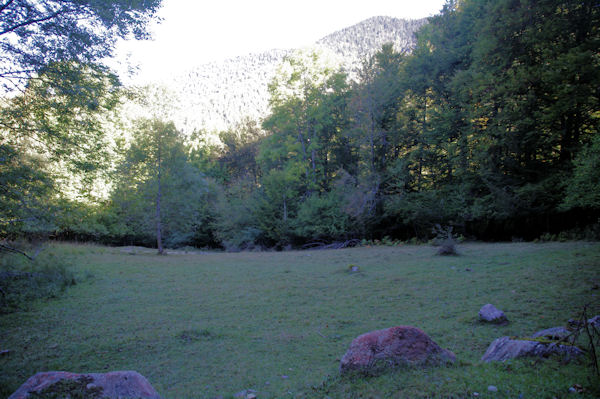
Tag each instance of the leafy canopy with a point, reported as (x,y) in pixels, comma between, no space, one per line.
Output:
(37,33)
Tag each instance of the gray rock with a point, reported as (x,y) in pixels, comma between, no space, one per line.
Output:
(491,314)
(393,346)
(492,388)
(246,394)
(577,323)
(552,333)
(505,348)
(114,385)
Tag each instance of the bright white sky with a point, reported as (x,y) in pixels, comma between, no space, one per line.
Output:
(194,32)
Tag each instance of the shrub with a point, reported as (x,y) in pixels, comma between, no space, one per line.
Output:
(445,240)
(22,280)
(320,218)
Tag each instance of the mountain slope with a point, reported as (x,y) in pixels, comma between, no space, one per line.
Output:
(362,40)
(218,95)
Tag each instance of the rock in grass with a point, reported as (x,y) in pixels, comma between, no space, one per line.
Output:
(491,314)
(402,345)
(555,333)
(579,323)
(246,394)
(505,348)
(62,384)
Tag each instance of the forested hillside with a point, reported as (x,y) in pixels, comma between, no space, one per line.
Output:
(359,42)
(489,127)
(219,95)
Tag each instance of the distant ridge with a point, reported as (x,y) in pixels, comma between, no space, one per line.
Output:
(218,95)
(362,40)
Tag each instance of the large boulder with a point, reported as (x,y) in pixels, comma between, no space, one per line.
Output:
(505,348)
(554,333)
(114,385)
(491,314)
(402,345)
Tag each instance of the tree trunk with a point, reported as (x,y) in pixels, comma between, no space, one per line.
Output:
(304,155)
(158,199)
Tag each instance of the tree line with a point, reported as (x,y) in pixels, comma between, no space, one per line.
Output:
(489,126)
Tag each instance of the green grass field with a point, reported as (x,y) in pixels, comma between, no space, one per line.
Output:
(208,325)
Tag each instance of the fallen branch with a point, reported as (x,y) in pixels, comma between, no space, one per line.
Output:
(334,245)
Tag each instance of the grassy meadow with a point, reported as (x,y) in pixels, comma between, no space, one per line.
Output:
(209,325)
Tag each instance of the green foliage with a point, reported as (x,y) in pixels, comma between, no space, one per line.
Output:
(320,217)
(236,226)
(276,204)
(582,190)
(57,103)
(51,136)
(156,187)
(25,192)
(37,33)
(490,125)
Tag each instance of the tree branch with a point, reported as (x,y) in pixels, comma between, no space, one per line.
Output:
(11,249)
(31,22)
(5,5)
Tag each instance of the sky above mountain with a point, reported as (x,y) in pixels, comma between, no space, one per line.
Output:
(193,32)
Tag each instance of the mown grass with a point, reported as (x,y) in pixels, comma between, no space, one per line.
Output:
(208,325)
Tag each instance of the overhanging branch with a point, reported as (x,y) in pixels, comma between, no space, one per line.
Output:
(14,250)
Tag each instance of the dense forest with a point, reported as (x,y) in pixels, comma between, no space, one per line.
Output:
(489,127)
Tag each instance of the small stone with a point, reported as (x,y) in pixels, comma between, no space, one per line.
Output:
(492,314)
(285,377)
(492,388)
(576,388)
(246,394)
(475,393)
